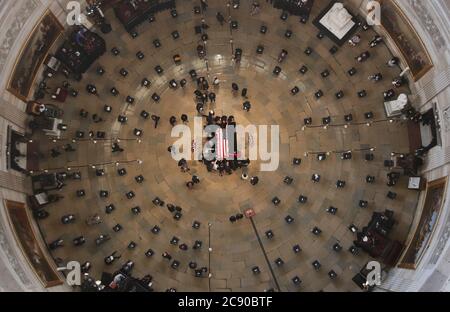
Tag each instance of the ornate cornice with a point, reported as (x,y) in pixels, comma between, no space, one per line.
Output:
(20,18)
(428,23)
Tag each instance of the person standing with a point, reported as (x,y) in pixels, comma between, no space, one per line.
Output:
(195,179)
(355,40)
(234,87)
(220,18)
(173,121)
(205,97)
(397,82)
(212,97)
(375,41)
(116,148)
(156,120)
(255,8)
(363,56)
(204,5)
(167,256)
(111,258)
(246,106)
(254,180)
(200,108)
(393,62)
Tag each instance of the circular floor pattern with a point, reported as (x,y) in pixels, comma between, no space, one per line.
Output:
(235,247)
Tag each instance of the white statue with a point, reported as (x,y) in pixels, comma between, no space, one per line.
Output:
(394,108)
(338,20)
(338,16)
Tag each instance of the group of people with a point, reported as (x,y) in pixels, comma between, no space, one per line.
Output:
(173,120)
(397,82)
(225,166)
(203,95)
(195,180)
(246,105)
(356,39)
(228,164)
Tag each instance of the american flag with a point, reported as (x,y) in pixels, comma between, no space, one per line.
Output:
(222,149)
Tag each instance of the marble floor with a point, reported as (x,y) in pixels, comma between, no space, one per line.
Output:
(235,248)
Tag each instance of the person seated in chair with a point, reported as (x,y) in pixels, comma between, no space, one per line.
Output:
(315,178)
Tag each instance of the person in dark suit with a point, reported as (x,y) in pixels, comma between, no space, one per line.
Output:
(254,180)
(111,258)
(173,121)
(212,97)
(204,5)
